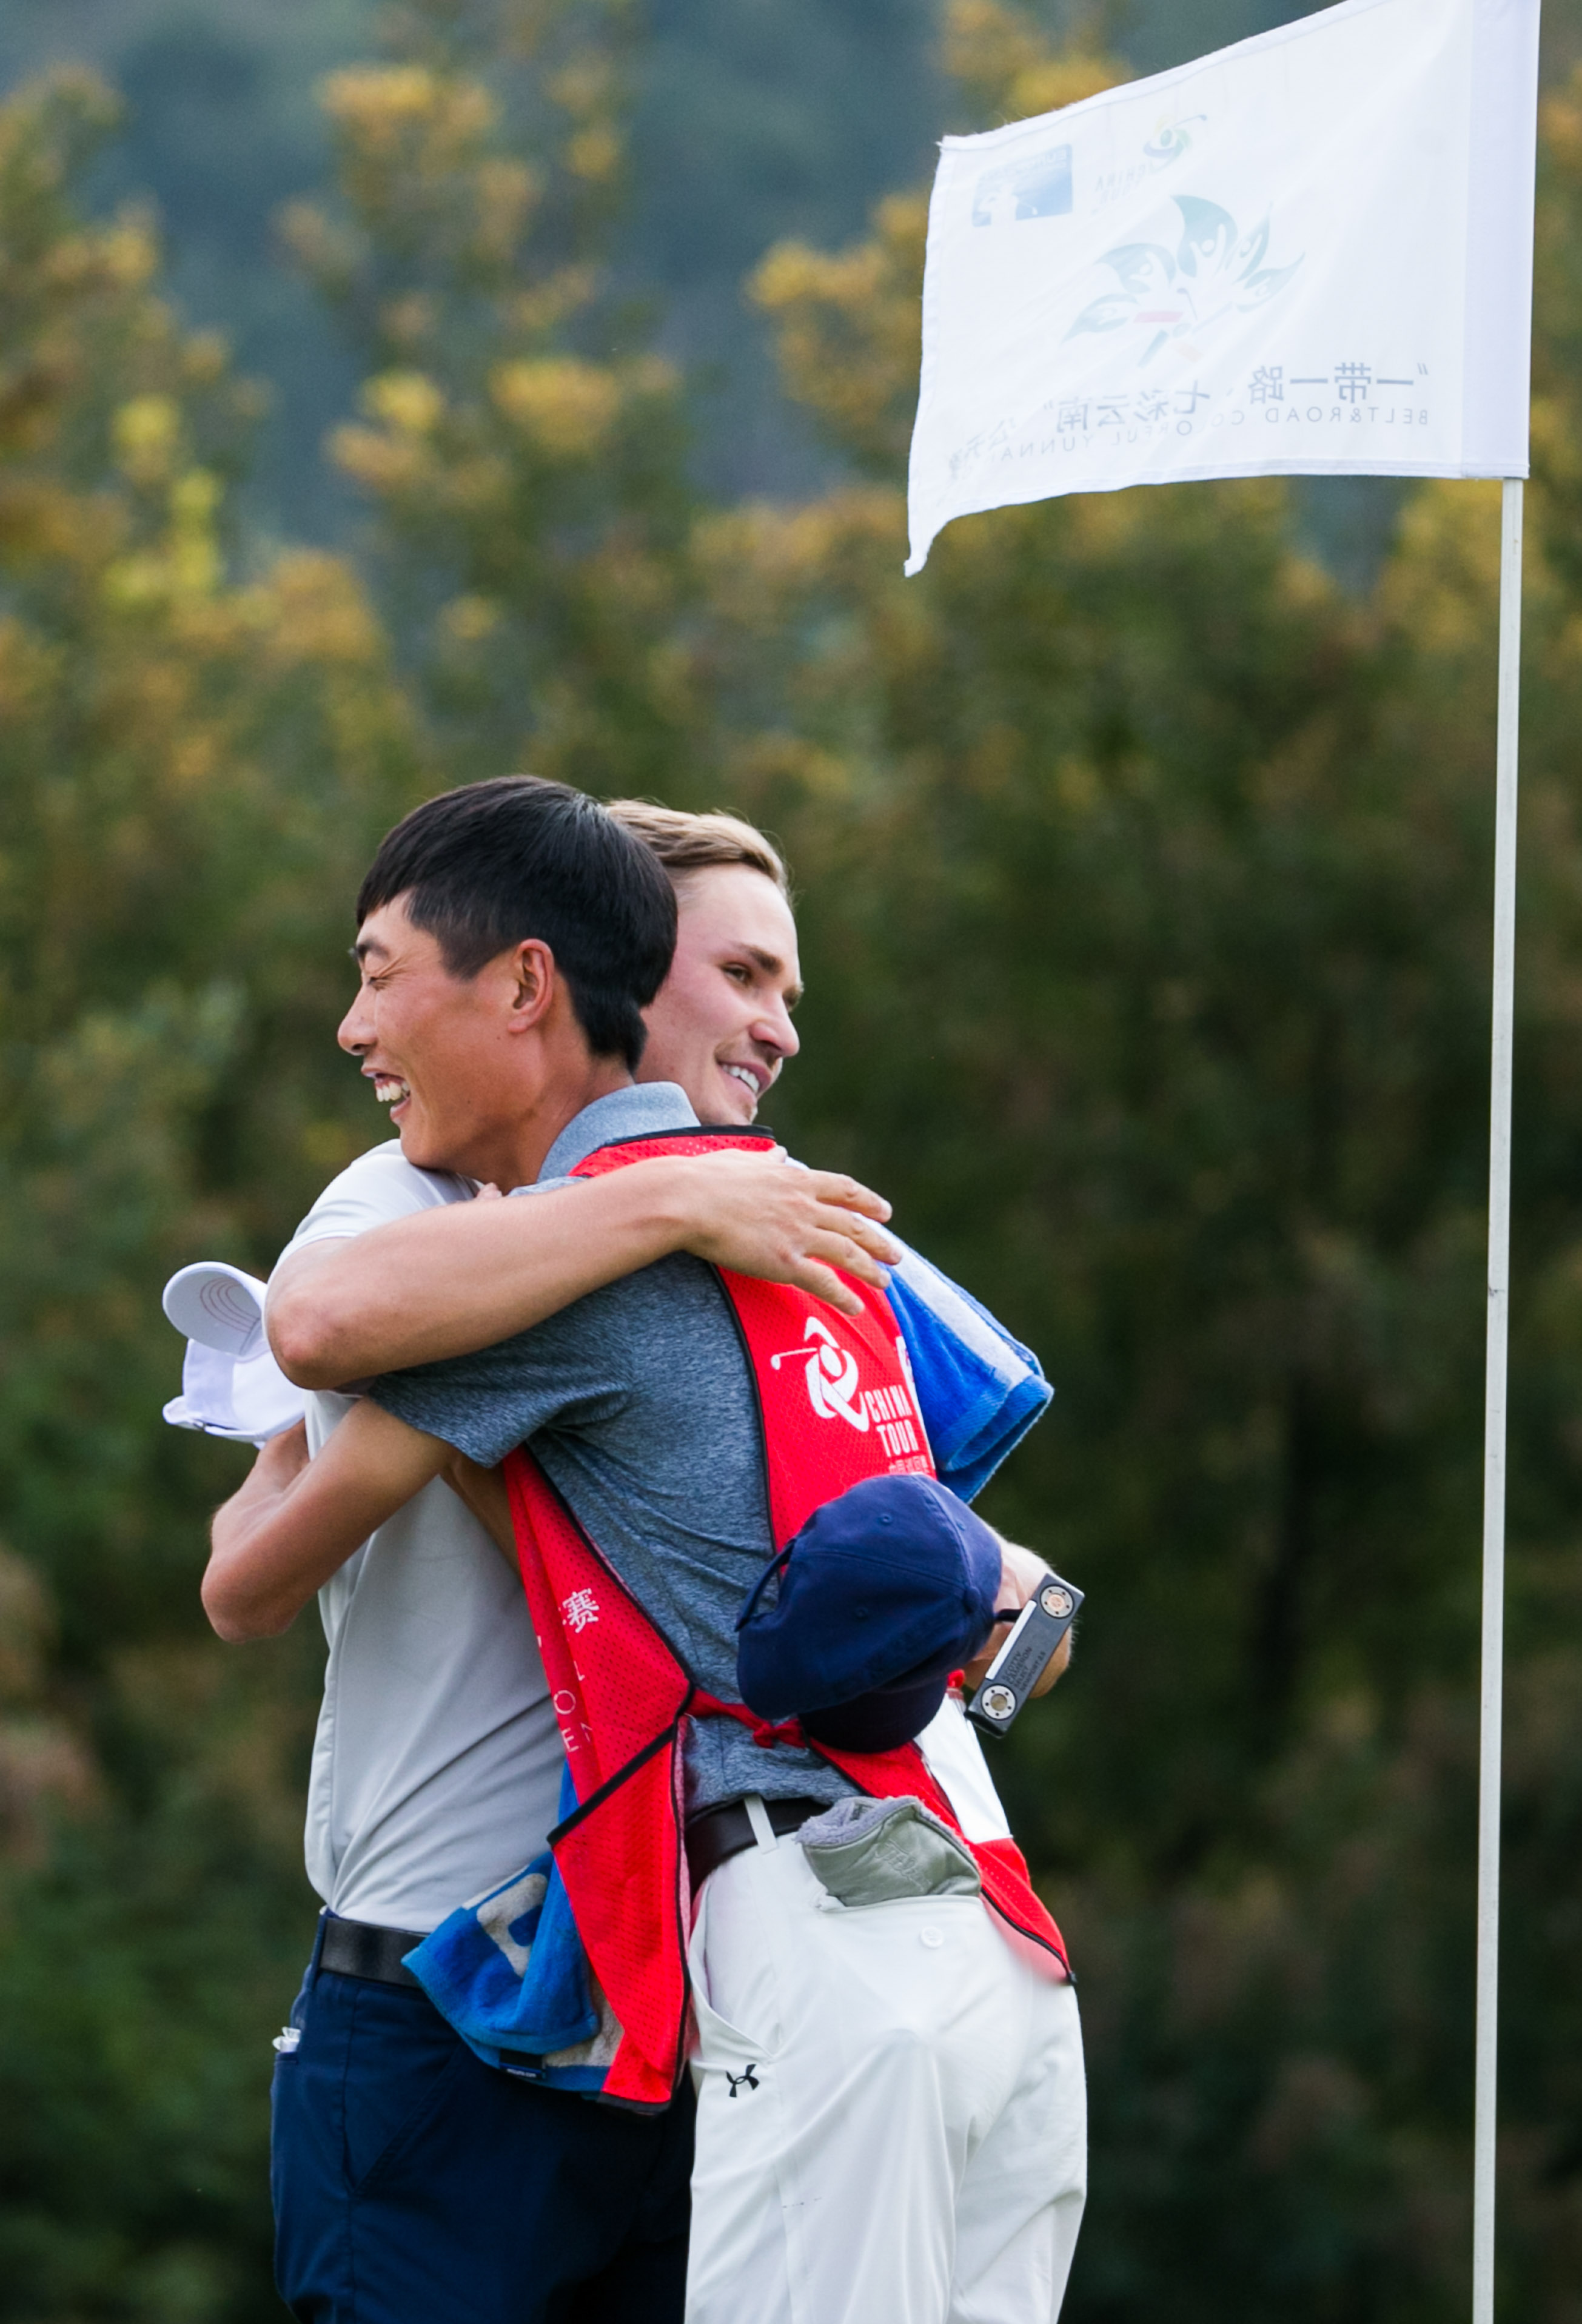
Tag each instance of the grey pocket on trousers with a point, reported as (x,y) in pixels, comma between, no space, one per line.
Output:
(872,1851)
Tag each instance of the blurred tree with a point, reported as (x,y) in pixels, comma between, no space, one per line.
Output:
(523,452)
(1146,932)
(192,772)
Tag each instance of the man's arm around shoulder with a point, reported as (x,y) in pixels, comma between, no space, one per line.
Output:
(448,1281)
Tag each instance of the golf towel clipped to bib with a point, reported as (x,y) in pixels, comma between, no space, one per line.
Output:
(510,1973)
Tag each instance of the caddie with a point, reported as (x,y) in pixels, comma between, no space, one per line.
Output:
(678,1424)
(437,1762)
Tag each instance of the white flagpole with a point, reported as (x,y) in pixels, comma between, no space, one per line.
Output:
(1494,1438)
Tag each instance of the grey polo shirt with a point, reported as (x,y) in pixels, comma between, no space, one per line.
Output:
(437,1760)
(637,1404)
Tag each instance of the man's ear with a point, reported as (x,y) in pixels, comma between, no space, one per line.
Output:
(535,982)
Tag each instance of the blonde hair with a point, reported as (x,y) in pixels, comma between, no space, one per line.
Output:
(699,842)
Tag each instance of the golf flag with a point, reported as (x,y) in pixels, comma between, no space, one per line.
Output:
(1310,254)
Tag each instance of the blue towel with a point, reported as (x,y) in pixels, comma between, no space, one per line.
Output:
(979,1390)
(508,1972)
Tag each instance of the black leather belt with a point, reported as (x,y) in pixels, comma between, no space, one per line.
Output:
(360,1949)
(718,1834)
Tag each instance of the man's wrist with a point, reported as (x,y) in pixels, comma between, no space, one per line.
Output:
(668,1210)
(678,1204)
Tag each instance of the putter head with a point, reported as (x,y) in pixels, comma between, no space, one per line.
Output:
(1008,1682)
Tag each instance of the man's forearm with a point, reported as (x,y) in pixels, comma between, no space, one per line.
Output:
(295,1522)
(446,1282)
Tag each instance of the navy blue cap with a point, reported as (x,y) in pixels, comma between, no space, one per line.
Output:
(885,1591)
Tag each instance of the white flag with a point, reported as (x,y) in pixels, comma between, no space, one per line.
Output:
(1311,254)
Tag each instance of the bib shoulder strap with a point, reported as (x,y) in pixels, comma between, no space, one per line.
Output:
(708,1139)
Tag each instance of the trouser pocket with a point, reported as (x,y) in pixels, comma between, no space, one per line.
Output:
(403,2063)
(735,1998)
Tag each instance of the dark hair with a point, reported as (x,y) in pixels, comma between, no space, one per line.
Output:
(493,863)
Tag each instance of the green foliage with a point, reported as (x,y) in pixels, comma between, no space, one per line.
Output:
(181,759)
(1147,935)
(523,451)
(1145,895)
(146,1961)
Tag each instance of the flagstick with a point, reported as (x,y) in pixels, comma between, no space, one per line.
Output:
(1494,1433)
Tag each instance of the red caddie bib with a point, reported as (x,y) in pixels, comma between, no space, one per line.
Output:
(836,1404)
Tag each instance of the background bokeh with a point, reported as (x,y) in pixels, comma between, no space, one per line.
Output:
(393,396)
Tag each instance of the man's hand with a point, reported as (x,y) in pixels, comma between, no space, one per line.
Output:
(758,1215)
(1020,1572)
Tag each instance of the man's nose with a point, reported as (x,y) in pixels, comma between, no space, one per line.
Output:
(355,1031)
(776,1031)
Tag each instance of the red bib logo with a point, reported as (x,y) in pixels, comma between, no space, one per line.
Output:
(831,1373)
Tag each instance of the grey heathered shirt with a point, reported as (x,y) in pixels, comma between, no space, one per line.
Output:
(637,1404)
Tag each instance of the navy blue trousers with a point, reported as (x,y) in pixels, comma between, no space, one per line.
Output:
(415,2185)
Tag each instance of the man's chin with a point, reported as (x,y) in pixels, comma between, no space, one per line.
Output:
(735,1106)
(415,1147)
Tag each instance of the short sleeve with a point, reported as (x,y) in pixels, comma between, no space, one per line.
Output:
(489,1403)
(378,1186)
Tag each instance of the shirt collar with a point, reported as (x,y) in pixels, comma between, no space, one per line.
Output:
(637,1111)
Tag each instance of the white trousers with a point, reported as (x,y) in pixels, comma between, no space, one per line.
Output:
(892,2116)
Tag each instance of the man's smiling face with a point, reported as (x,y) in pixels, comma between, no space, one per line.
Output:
(721,1024)
(433,1046)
